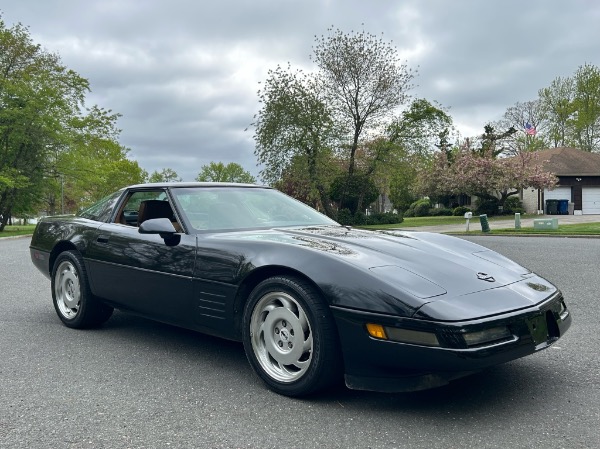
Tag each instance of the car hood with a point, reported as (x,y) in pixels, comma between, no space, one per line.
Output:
(431,264)
(427,264)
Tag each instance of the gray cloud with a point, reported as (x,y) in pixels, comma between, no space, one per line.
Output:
(184,73)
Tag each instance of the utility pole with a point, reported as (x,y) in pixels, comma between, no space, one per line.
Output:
(62,194)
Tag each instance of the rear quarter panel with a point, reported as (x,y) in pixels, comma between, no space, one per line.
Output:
(53,235)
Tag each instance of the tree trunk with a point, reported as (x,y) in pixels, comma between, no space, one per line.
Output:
(312,176)
(4,210)
(351,166)
(5,217)
(325,200)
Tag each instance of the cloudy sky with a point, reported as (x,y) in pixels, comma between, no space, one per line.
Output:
(184,73)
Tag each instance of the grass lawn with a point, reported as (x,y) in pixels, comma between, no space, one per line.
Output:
(564,229)
(410,222)
(567,229)
(10,231)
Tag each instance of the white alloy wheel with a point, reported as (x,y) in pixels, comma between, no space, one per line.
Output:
(67,290)
(281,337)
(290,337)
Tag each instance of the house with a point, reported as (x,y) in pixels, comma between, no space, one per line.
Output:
(578,175)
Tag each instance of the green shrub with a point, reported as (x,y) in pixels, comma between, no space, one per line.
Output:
(488,206)
(384,218)
(460,211)
(348,191)
(419,208)
(421,201)
(359,218)
(440,212)
(344,217)
(422,210)
(513,205)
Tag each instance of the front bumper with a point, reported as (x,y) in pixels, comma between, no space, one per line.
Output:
(383,365)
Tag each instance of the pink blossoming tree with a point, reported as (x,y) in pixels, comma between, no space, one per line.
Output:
(483,175)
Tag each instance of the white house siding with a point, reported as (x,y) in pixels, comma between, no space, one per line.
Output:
(530,200)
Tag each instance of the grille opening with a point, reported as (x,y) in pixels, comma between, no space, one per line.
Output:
(553,331)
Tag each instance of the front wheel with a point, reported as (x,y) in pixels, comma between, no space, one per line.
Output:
(290,338)
(73,301)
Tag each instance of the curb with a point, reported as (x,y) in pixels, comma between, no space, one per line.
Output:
(491,234)
(13,237)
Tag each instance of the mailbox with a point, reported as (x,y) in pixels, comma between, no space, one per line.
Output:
(468,215)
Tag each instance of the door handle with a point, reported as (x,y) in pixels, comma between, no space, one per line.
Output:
(102,239)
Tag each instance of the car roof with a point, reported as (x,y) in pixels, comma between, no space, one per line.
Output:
(195,184)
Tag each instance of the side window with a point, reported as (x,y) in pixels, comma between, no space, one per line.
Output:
(102,210)
(130,212)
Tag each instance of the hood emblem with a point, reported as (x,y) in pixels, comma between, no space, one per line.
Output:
(485,277)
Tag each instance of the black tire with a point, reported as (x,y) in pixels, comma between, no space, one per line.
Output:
(290,337)
(73,301)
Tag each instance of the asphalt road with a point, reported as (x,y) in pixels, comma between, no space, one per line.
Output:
(139,384)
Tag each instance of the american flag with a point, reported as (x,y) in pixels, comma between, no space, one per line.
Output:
(530,130)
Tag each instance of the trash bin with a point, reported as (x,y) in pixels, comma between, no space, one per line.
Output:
(552,207)
(563,207)
(485,226)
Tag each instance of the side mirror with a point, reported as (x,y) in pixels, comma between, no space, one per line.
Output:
(163,227)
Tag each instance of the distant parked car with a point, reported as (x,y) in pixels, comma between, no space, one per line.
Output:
(312,301)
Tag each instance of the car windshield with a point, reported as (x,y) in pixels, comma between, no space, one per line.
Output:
(213,208)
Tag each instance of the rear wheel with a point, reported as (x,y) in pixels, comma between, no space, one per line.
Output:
(290,338)
(73,301)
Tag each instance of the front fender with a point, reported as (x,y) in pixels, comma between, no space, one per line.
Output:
(334,270)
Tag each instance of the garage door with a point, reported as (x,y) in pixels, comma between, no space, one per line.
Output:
(559,193)
(590,200)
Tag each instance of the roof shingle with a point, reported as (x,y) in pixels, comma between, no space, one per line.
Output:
(564,161)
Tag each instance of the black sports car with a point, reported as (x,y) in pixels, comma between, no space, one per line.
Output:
(311,300)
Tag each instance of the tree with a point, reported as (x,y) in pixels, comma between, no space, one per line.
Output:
(411,138)
(349,101)
(295,182)
(483,175)
(403,177)
(419,127)
(165,175)
(91,166)
(361,189)
(219,172)
(38,99)
(586,104)
(571,108)
(491,142)
(50,146)
(516,117)
(364,83)
(294,122)
(415,132)
(557,108)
